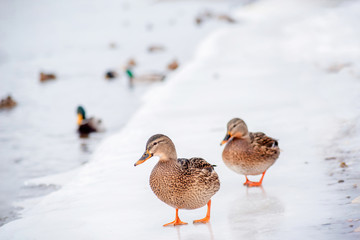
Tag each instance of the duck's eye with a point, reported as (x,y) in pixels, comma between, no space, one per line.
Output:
(233,126)
(155,143)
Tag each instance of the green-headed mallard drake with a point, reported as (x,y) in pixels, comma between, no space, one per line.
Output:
(179,182)
(87,125)
(248,153)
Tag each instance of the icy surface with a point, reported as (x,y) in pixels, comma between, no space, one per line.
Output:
(276,71)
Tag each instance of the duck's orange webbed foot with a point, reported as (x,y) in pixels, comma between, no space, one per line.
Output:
(174,223)
(254,184)
(203,220)
(207,218)
(247,182)
(177,221)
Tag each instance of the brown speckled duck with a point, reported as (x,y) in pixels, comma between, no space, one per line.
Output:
(248,153)
(179,182)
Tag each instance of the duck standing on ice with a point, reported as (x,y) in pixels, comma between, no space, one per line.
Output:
(248,153)
(179,182)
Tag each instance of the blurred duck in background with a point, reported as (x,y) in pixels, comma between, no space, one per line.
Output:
(87,125)
(7,102)
(111,75)
(47,76)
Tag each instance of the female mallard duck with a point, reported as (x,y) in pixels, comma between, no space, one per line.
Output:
(179,182)
(87,125)
(248,153)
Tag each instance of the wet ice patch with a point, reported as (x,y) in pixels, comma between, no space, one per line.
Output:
(256,209)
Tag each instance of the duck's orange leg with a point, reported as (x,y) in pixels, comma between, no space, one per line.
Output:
(177,221)
(254,184)
(247,181)
(207,218)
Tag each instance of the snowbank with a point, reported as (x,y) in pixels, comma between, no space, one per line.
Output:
(273,71)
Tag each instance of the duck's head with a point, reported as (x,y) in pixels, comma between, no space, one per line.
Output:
(81,114)
(158,145)
(237,128)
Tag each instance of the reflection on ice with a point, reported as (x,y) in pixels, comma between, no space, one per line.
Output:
(255,213)
(205,232)
(85,148)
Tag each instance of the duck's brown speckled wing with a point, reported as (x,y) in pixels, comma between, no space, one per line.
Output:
(260,140)
(195,163)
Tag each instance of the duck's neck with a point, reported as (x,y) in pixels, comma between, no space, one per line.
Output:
(168,152)
(245,138)
(167,158)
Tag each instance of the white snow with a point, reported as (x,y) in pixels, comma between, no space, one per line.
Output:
(269,70)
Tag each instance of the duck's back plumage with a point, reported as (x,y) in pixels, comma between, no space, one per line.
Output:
(184,183)
(89,125)
(195,164)
(261,142)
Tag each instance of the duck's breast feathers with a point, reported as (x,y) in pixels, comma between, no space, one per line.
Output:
(195,164)
(259,139)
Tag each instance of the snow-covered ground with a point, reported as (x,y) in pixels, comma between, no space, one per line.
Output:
(292,72)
